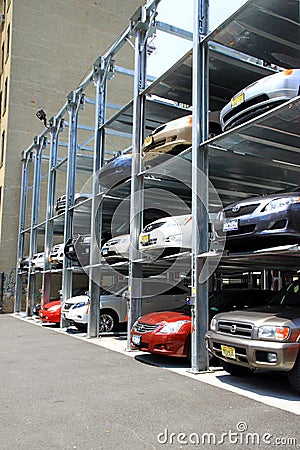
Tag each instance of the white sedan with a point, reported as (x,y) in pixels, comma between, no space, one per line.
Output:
(168,235)
(116,249)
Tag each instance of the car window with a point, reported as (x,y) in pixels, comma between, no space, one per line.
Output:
(289,296)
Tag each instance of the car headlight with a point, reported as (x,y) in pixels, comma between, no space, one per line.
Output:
(79,305)
(273,332)
(281,203)
(54,308)
(173,327)
(213,324)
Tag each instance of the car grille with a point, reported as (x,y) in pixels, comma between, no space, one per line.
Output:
(242,211)
(241,329)
(245,105)
(68,305)
(142,327)
(155,144)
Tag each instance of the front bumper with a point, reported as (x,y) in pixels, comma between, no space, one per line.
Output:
(253,353)
(162,344)
(274,228)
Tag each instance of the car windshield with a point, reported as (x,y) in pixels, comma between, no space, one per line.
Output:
(288,297)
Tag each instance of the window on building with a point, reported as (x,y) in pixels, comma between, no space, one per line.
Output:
(8,41)
(5,96)
(2,57)
(2,148)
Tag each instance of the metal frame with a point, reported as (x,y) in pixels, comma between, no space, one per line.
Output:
(142,24)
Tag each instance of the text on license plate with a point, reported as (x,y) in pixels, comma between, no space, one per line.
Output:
(228,352)
(231,225)
(136,339)
(236,101)
(148,141)
(104,251)
(145,238)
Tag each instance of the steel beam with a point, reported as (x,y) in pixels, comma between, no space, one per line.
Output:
(74,101)
(96,214)
(55,128)
(136,197)
(22,219)
(199,294)
(31,282)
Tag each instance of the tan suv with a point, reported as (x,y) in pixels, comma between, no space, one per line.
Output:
(267,337)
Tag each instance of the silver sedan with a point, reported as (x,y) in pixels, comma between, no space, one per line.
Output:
(260,96)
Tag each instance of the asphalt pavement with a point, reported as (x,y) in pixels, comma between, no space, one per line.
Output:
(59,392)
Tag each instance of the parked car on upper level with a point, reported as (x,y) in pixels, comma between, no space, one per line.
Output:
(56,257)
(173,137)
(77,249)
(60,205)
(266,337)
(259,222)
(168,235)
(168,333)
(116,249)
(113,303)
(259,97)
(38,261)
(24,263)
(115,171)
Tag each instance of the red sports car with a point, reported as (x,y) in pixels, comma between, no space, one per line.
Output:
(168,333)
(51,312)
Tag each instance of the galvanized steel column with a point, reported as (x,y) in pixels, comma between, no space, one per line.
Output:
(74,100)
(136,197)
(101,71)
(55,126)
(30,298)
(23,200)
(199,295)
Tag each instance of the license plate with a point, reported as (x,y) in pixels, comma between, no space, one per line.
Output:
(236,101)
(231,225)
(104,251)
(228,352)
(148,141)
(145,238)
(136,340)
(71,248)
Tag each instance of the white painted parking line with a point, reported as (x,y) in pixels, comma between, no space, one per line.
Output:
(271,389)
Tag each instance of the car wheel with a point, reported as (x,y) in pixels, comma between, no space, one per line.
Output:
(294,375)
(107,321)
(235,370)
(81,326)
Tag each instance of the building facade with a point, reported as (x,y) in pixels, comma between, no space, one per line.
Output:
(46,48)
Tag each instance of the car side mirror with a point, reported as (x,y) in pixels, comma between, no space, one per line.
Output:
(125,294)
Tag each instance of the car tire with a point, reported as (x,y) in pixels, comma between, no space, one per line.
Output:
(235,370)
(108,321)
(294,375)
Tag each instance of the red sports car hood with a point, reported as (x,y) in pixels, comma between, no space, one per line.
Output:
(50,304)
(163,316)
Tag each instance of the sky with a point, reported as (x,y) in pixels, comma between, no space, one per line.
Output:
(180,14)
